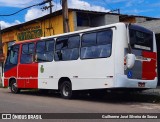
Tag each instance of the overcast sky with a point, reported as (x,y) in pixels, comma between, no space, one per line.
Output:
(149,8)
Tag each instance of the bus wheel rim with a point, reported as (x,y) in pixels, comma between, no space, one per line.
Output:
(66,90)
(14,87)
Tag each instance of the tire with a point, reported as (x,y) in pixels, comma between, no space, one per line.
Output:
(66,90)
(14,88)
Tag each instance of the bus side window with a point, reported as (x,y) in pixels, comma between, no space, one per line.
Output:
(104,41)
(44,50)
(13,56)
(67,48)
(96,44)
(27,53)
(73,47)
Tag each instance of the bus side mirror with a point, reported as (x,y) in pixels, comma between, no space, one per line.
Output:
(130,60)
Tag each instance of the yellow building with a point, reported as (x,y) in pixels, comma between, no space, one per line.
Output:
(45,26)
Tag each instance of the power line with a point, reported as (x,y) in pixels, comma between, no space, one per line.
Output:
(112,10)
(107,4)
(39,4)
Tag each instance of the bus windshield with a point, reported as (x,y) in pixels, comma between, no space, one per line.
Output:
(12,57)
(141,40)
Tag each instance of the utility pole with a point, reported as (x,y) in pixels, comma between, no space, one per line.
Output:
(117,10)
(1,50)
(65,16)
(50,6)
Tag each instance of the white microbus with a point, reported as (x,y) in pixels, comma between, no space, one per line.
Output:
(116,56)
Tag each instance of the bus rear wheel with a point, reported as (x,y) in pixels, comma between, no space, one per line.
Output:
(14,88)
(66,90)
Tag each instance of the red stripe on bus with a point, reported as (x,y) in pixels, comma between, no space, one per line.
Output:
(28,74)
(149,67)
(11,73)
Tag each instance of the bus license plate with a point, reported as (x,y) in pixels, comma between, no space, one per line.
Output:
(141,84)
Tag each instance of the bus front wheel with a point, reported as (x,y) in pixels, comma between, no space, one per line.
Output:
(14,88)
(66,90)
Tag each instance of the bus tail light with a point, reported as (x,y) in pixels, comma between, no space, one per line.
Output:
(125,62)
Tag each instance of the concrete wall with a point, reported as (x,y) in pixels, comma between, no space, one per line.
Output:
(101,20)
(110,19)
(153,25)
(98,21)
(140,19)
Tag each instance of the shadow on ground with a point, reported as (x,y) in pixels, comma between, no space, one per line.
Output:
(145,97)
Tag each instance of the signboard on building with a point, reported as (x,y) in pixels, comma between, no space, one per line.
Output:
(29,33)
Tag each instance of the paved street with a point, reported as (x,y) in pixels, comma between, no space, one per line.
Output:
(34,102)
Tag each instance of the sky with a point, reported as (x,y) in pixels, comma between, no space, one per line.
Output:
(149,8)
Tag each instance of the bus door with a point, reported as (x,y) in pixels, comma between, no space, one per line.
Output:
(10,69)
(28,69)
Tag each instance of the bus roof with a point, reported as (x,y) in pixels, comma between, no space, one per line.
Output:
(85,30)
